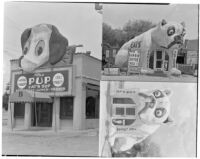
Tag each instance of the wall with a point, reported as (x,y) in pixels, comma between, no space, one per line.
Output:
(66,124)
(192,57)
(91,67)
(19,123)
(92,123)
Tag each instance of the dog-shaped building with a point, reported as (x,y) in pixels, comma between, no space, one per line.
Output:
(154,49)
(41,44)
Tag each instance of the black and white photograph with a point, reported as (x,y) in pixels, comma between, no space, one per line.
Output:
(100,79)
(148,119)
(150,42)
(51,70)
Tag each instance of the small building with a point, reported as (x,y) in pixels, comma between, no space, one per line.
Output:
(108,55)
(192,51)
(63,96)
(187,59)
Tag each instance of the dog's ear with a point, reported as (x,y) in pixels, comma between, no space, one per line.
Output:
(183,24)
(163,22)
(57,46)
(168,92)
(24,37)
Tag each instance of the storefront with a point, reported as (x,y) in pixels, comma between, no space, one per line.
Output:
(63,96)
(157,60)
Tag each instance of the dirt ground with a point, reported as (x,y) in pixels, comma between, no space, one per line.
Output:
(50,143)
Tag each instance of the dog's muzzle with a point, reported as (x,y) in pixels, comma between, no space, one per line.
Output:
(178,39)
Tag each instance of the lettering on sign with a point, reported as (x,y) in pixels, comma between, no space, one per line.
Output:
(125,129)
(135,44)
(133,61)
(55,81)
(126,91)
(134,58)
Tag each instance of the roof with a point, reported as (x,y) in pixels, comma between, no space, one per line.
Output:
(192,45)
(29,96)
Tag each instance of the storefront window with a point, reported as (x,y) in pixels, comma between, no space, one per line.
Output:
(19,109)
(66,108)
(151,60)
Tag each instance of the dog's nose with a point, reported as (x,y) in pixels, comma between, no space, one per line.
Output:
(178,39)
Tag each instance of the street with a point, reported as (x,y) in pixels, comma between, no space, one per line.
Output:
(50,143)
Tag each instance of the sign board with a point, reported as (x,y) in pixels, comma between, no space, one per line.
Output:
(46,81)
(133,61)
(111,71)
(124,92)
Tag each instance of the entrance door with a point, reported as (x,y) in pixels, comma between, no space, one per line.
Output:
(161,60)
(42,115)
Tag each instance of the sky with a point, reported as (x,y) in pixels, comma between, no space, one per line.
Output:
(117,15)
(79,23)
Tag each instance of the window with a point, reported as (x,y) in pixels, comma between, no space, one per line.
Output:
(123,101)
(130,111)
(119,111)
(19,109)
(151,60)
(107,53)
(159,55)
(66,108)
(114,52)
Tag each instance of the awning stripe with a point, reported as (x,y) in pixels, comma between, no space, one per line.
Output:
(29,96)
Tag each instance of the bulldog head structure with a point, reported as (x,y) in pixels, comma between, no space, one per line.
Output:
(41,44)
(168,34)
(153,112)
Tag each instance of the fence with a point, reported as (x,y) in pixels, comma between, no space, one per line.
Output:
(186,68)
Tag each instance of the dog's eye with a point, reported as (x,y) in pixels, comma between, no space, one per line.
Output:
(170,31)
(157,94)
(39,48)
(159,112)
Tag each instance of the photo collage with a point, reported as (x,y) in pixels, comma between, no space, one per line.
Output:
(100,79)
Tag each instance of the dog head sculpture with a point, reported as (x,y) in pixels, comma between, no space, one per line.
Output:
(41,44)
(153,112)
(157,110)
(166,34)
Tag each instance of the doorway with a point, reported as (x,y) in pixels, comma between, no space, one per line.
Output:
(42,114)
(161,59)
(180,59)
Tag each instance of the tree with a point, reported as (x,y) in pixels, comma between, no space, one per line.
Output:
(117,37)
(136,27)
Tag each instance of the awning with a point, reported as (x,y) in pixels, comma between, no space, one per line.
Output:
(29,96)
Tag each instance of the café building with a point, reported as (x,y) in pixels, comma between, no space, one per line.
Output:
(62,96)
